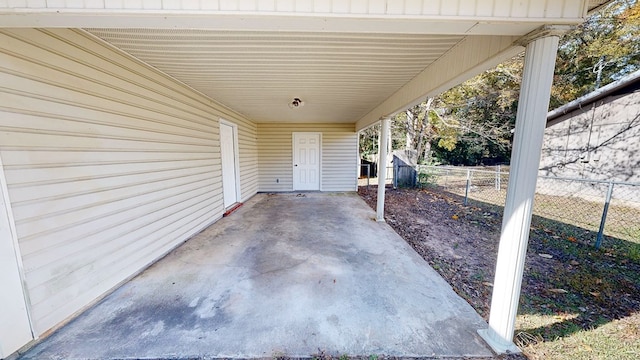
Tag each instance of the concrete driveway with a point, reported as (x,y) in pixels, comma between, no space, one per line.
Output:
(285,275)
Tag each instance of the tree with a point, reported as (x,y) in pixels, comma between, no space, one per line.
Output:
(368,141)
(601,50)
(484,110)
(415,129)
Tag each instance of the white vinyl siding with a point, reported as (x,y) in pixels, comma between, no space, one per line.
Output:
(248,154)
(339,161)
(109,164)
(275,156)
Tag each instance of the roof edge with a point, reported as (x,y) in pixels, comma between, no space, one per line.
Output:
(593,96)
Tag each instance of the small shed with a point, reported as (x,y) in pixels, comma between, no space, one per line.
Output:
(404,169)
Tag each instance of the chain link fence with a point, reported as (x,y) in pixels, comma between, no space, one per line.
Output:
(602,207)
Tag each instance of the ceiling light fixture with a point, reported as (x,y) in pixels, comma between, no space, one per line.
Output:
(296,103)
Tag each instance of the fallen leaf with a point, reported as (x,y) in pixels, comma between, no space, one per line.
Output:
(558,291)
(574,263)
(572,239)
(455,217)
(594,293)
(546,256)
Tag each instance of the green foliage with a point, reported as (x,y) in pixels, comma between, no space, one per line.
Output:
(417,127)
(485,107)
(369,141)
(601,50)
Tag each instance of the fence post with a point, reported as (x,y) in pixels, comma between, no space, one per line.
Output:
(368,173)
(466,190)
(604,216)
(446,178)
(396,170)
(498,177)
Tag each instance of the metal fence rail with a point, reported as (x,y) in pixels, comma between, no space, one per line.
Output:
(605,207)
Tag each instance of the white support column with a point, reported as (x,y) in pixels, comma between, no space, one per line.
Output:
(533,105)
(382,166)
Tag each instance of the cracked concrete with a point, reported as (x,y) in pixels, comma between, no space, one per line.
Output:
(285,275)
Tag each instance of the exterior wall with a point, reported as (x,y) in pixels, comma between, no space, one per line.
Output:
(339,156)
(109,164)
(248,154)
(599,141)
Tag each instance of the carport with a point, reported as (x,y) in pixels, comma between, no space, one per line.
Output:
(129,126)
(285,275)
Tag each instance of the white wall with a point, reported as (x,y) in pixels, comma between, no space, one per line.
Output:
(339,156)
(109,164)
(248,153)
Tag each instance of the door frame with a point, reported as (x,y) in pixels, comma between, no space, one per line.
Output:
(293,157)
(236,159)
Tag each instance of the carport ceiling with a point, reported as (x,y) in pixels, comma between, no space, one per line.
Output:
(342,67)
(339,76)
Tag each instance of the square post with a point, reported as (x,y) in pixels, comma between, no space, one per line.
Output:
(533,105)
(382,167)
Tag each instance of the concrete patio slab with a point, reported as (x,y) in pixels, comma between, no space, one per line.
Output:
(285,275)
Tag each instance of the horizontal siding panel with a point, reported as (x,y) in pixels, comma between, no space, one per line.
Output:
(95,77)
(98,60)
(29,210)
(60,157)
(94,118)
(69,226)
(104,187)
(40,175)
(127,263)
(25,139)
(339,161)
(275,159)
(109,164)
(104,241)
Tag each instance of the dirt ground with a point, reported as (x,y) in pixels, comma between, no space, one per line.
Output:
(563,273)
(462,252)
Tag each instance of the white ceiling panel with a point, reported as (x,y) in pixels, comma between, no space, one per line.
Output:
(339,76)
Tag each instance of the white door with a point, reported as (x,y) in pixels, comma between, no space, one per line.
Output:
(306,161)
(228,155)
(15,329)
